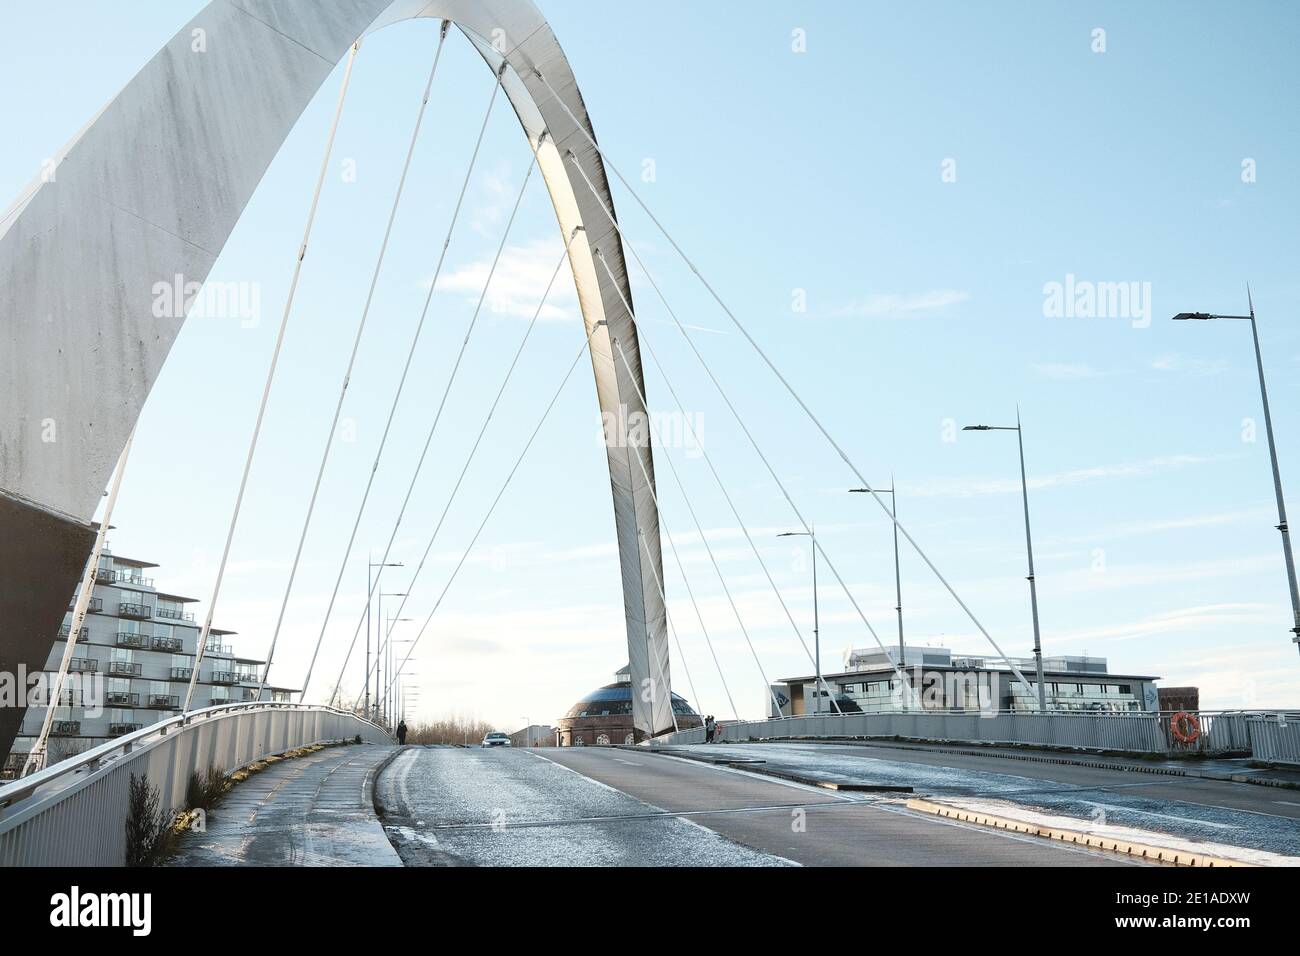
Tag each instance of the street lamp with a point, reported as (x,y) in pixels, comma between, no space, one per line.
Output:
(811,533)
(370,566)
(898,582)
(386,701)
(1272,453)
(1029,549)
(381,643)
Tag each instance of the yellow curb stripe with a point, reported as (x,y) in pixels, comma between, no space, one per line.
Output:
(1125,847)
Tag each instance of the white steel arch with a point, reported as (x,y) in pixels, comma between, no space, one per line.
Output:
(152,187)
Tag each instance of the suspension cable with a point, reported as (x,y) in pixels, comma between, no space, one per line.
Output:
(642,339)
(739,420)
(677,639)
(586,343)
(681,568)
(356,343)
(202,641)
(383,562)
(410,588)
(788,387)
(663,678)
(618,347)
(387,632)
(36,757)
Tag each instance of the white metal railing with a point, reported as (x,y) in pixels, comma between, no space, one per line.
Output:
(74,812)
(1214,732)
(1275,738)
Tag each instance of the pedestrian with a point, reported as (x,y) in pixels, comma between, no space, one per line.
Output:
(401,732)
(708,729)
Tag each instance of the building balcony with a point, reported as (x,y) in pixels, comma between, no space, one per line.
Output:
(224,677)
(83,665)
(126,668)
(117,730)
(66,629)
(120,698)
(182,673)
(105,575)
(95,606)
(65,728)
(167,643)
(128,639)
(218,700)
(164,701)
(175,614)
(132,578)
(140,611)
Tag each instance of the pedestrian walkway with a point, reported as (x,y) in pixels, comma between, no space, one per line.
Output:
(315,810)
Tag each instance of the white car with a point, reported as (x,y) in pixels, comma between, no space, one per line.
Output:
(496,739)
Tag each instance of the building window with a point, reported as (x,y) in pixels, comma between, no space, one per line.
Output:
(602,740)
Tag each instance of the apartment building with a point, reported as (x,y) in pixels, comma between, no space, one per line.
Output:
(133,660)
(949,682)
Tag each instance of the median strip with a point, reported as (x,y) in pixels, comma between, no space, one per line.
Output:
(1130,848)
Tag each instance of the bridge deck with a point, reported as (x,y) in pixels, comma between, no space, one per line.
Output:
(315,810)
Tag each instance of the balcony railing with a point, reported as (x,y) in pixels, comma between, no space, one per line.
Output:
(120,698)
(83,665)
(130,639)
(132,577)
(129,668)
(164,701)
(175,614)
(65,728)
(167,643)
(216,700)
(95,606)
(66,629)
(134,610)
(182,673)
(224,677)
(117,730)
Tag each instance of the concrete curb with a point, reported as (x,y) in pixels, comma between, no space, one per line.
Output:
(1128,848)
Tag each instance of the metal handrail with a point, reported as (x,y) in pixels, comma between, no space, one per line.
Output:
(98,758)
(975,711)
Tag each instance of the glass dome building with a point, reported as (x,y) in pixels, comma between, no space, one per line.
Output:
(604,716)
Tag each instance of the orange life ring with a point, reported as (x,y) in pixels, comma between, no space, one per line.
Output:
(1185,727)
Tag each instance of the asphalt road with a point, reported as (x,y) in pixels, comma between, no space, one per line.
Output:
(597,806)
(448,806)
(1235,814)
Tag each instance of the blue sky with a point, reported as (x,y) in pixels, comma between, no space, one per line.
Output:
(827,171)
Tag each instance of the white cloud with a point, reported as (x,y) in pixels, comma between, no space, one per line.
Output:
(1157,526)
(1188,365)
(519,281)
(500,197)
(969,488)
(897,304)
